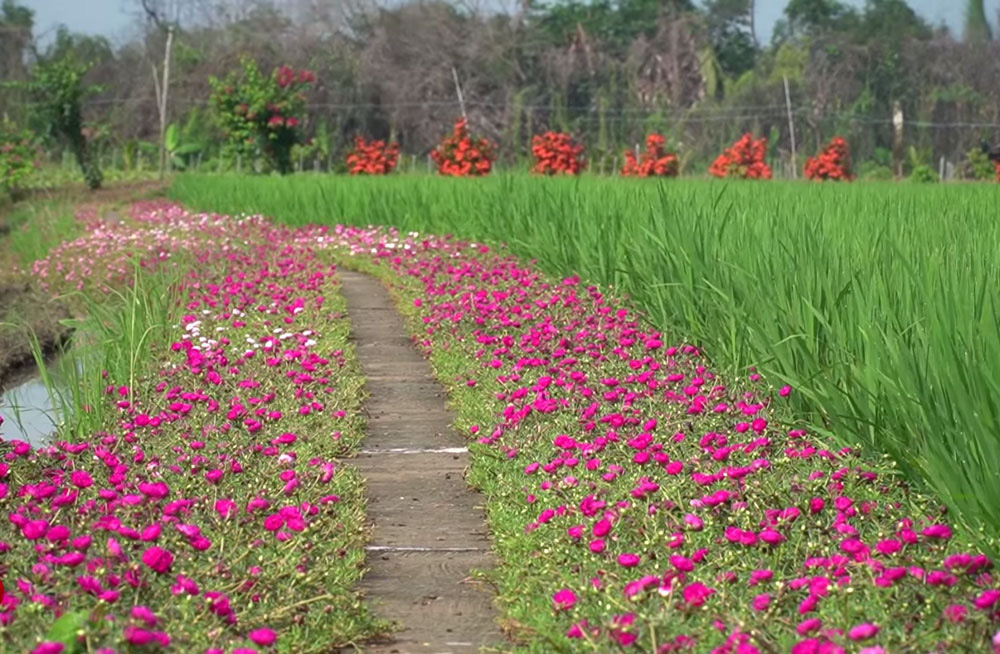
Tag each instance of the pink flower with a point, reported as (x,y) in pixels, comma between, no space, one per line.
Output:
(158,559)
(863,631)
(143,613)
(34,529)
(696,593)
(956,612)
(761,602)
(808,625)
(942,532)
(564,599)
(889,546)
(81,479)
(986,599)
(263,637)
(48,647)
(628,560)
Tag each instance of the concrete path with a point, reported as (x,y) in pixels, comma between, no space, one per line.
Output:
(429,531)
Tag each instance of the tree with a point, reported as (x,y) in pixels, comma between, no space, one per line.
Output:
(813,17)
(730,29)
(57,85)
(16,23)
(977,28)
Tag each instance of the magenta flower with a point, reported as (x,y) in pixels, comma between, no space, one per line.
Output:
(262,637)
(986,599)
(697,593)
(143,613)
(48,647)
(564,599)
(863,631)
(81,479)
(761,602)
(955,613)
(627,560)
(158,559)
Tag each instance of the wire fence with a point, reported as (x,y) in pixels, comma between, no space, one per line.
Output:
(784,159)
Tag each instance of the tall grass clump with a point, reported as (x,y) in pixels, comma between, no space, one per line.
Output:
(116,338)
(878,302)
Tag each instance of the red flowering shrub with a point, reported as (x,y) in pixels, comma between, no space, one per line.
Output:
(832,163)
(372,157)
(997,164)
(744,158)
(262,111)
(655,161)
(461,155)
(556,153)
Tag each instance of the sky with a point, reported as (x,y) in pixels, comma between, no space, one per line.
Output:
(112,18)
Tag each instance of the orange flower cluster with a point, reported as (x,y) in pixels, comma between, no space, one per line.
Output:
(460,155)
(745,158)
(654,162)
(832,163)
(556,153)
(372,157)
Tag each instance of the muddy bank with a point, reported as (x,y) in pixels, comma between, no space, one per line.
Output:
(22,306)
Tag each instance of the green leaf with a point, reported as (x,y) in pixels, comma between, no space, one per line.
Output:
(64,630)
(172,137)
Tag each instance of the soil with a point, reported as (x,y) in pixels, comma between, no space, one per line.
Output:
(21,303)
(429,533)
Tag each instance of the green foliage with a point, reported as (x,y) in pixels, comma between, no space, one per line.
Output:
(728,23)
(64,631)
(804,18)
(924,174)
(615,23)
(873,171)
(179,146)
(18,155)
(262,112)
(919,161)
(979,165)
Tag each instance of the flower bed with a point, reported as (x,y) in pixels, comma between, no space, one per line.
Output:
(641,501)
(214,514)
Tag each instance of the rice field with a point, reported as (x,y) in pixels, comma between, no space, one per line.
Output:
(877,302)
